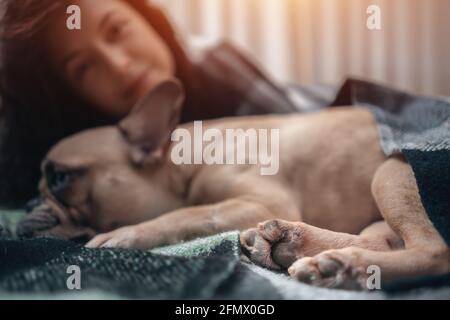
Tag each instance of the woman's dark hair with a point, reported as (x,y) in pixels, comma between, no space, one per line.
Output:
(37,108)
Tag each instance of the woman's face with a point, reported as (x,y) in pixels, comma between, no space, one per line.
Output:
(114,60)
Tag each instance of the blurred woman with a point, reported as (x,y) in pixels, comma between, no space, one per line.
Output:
(55,81)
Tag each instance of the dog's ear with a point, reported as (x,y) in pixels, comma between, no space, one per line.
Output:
(148,127)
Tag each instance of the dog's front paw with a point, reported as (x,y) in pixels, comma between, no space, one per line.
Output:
(127,237)
(258,249)
(275,244)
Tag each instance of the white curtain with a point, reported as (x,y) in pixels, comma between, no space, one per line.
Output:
(324,41)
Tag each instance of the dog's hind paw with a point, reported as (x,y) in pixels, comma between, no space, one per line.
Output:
(330,269)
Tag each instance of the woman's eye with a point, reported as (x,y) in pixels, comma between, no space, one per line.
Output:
(117,30)
(81,70)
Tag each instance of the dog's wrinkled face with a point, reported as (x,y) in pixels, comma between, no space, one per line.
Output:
(98,180)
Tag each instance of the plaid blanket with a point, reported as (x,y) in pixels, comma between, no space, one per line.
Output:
(203,269)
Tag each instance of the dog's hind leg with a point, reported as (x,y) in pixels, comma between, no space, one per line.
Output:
(395,191)
(287,241)
(382,234)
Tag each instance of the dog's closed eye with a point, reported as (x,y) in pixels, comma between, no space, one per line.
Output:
(59,179)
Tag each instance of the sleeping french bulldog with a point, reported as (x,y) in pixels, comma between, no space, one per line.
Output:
(117,187)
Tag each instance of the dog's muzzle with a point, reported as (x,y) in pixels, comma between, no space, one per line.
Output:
(39,219)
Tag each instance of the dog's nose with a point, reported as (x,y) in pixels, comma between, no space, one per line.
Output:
(35,222)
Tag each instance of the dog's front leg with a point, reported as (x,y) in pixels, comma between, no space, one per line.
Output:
(192,222)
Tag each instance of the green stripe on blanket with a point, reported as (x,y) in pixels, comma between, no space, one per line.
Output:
(9,220)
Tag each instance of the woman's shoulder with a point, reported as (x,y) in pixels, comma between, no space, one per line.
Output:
(239,75)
